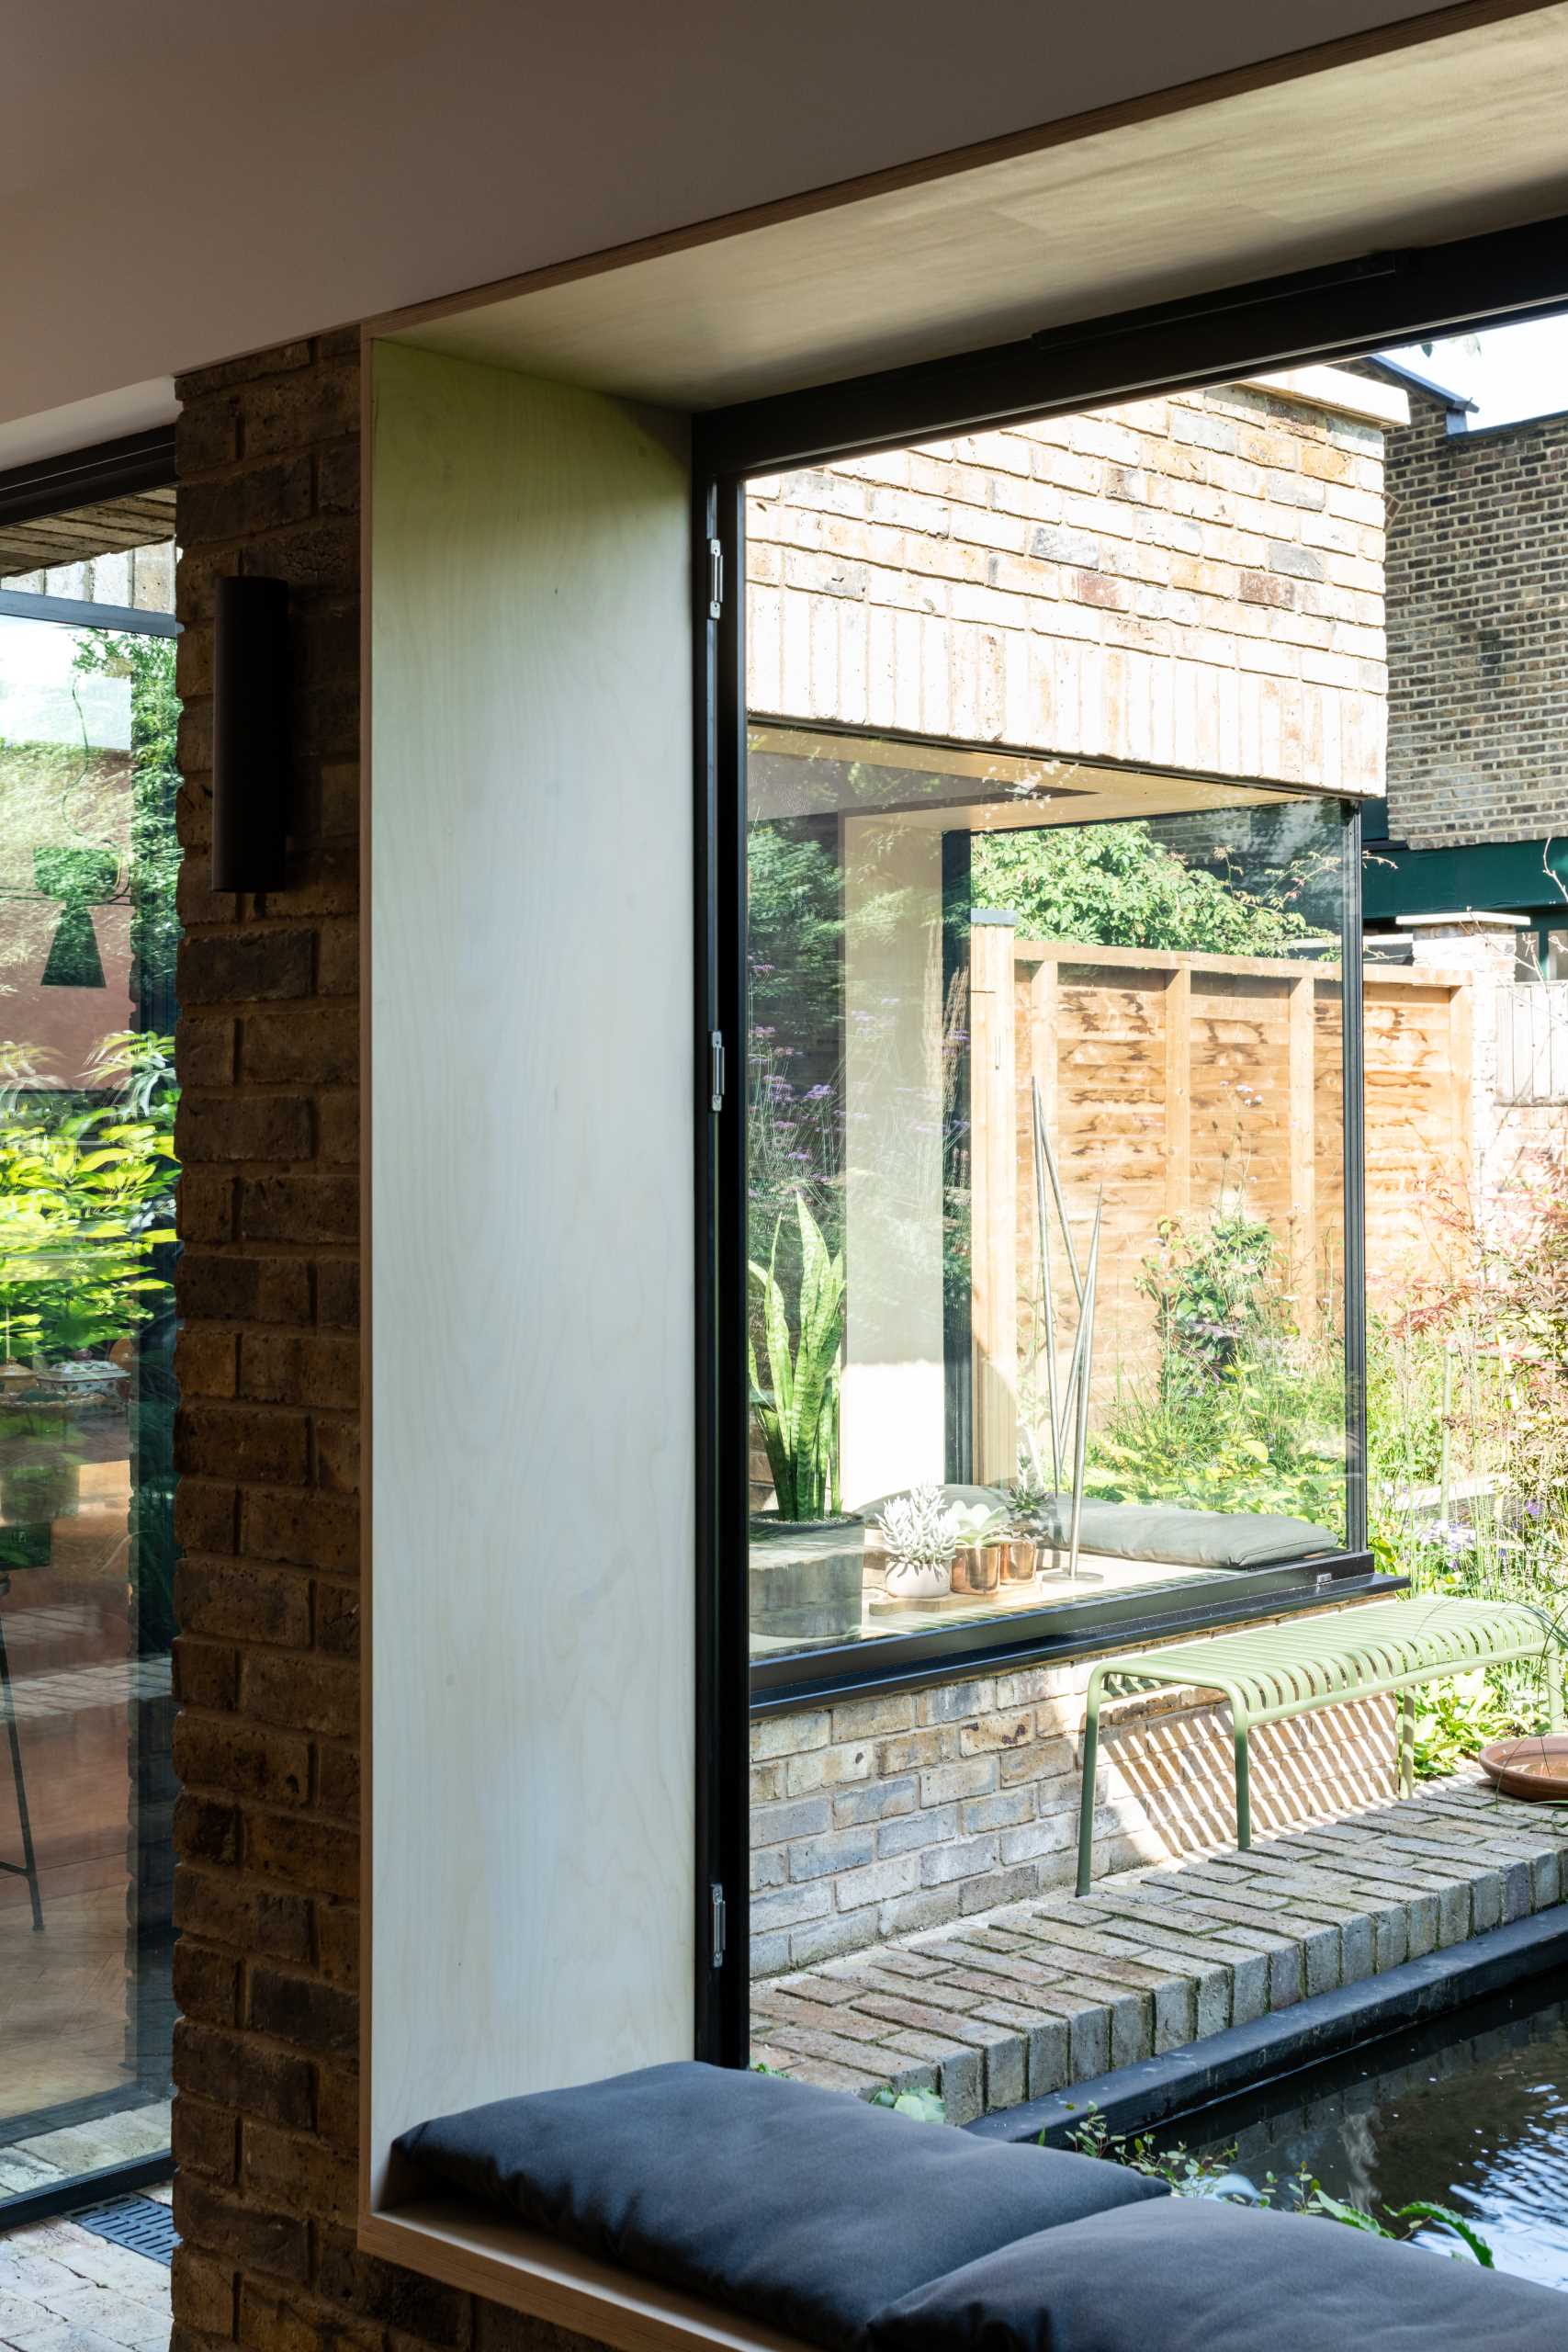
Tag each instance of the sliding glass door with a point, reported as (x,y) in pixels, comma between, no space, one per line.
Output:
(87,935)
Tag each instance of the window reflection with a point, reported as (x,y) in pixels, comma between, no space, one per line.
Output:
(1045,1133)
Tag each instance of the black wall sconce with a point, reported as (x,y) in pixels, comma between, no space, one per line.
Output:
(250,735)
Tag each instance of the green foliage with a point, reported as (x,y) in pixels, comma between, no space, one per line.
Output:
(1117,885)
(799,1411)
(795,921)
(1209,1286)
(1243,1413)
(86,1202)
(1199,2175)
(1354,2218)
(926,2106)
(1456,1720)
(1139,2151)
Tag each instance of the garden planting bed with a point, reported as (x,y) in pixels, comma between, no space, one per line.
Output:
(1034,1996)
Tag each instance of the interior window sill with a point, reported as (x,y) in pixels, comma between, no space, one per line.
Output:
(1049,1637)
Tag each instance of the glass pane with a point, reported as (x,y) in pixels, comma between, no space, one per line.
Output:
(1046,1144)
(87,934)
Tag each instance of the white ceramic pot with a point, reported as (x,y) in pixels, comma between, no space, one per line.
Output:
(919,1580)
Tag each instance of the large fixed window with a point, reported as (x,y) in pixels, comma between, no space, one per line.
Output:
(1046,1183)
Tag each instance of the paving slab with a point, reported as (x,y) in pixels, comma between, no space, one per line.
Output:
(64,2290)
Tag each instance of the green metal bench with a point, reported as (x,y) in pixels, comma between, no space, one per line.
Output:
(1288,1669)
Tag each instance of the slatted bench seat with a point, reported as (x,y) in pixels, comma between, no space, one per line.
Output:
(1277,1671)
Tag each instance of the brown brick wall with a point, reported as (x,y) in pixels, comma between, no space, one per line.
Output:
(1477,571)
(266,1742)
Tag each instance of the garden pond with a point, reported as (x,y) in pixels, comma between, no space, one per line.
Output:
(1469,2111)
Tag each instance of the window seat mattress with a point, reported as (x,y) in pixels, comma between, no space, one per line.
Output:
(798,2206)
(1183,1537)
(860,2229)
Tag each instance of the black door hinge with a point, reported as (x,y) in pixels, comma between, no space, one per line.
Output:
(717,1897)
(715,580)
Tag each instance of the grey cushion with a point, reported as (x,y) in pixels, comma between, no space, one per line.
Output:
(1188,1539)
(1190,2275)
(800,2206)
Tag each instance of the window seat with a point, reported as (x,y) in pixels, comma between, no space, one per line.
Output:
(689,2204)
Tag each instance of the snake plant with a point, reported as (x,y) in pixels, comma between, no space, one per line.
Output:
(797,1412)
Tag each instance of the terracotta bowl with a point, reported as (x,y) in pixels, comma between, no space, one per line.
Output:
(1536,1766)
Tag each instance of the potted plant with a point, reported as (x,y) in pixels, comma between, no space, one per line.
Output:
(806,1555)
(919,1531)
(1028,1503)
(981,1533)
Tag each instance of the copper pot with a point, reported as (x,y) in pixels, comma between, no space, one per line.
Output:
(1022,1554)
(979,1567)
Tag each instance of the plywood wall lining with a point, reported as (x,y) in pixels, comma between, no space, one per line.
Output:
(531,1126)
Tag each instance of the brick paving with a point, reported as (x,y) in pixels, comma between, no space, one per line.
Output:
(62,2290)
(1036,1995)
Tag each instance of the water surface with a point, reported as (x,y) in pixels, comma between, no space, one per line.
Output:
(1470,2111)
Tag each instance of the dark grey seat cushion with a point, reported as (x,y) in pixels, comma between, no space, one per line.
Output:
(1190,2275)
(1188,1539)
(802,2207)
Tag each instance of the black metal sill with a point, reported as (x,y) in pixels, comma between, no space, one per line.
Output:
(1060,1633)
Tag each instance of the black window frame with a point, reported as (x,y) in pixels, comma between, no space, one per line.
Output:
(1343,311)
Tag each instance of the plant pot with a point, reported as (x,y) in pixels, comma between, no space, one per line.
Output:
(1022,1556)
(804,1576)
(920,1580)
(979,1567)
(32,1493)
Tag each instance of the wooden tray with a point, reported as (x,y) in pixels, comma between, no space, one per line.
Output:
(1535,1768)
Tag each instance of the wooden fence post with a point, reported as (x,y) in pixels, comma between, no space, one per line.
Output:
(1179,1091)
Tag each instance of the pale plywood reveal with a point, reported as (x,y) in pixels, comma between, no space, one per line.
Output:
(531,1127)
(1202,187)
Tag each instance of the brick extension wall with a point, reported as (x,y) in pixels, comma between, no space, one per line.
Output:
(1195,580)
(908,1810)
(1477,570)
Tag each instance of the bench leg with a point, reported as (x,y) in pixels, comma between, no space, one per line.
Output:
(1240,1729)
(1086,1803)
(1407,1743)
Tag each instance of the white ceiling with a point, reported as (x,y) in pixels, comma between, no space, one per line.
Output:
(181,181)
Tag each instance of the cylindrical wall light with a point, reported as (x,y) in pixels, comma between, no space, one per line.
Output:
(250,735)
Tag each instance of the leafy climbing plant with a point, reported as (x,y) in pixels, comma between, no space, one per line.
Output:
(797,1409)
(84,1203)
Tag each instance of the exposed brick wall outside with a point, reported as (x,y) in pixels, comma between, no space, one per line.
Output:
(882,1816)
(1477,630)
(1195,582)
